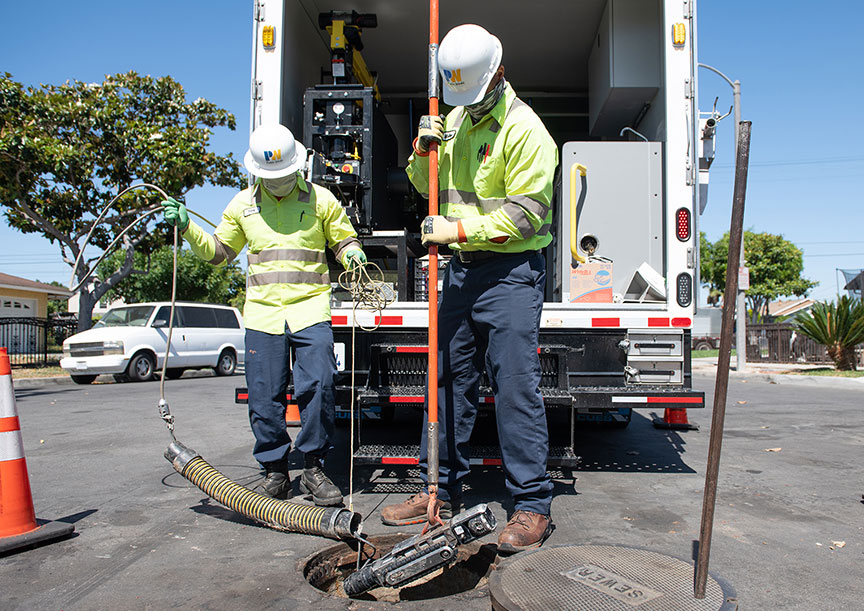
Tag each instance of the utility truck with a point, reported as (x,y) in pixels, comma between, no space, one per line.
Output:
(614,81)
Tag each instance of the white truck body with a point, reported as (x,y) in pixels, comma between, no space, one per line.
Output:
(590,69)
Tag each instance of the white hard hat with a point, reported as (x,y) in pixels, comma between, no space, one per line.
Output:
(273,152)
(468,58)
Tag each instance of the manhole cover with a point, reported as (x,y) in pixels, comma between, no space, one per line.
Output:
(327,569)
(601,577)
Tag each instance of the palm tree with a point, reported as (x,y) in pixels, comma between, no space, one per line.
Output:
(839,327)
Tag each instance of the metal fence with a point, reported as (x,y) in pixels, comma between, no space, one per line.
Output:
(35,341)
(780,343)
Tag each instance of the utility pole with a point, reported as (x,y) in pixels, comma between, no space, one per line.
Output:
(740,299)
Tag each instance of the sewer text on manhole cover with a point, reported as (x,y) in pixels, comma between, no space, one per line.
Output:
(612,584)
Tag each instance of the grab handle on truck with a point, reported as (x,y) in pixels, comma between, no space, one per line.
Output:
(574,240)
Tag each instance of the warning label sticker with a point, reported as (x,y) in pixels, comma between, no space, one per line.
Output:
(616,586)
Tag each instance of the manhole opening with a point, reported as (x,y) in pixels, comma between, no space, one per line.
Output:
(327,569)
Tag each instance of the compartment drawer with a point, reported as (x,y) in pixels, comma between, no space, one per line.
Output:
(647,343)
(651,371)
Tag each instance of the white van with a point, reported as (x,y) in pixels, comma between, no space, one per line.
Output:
(129,342)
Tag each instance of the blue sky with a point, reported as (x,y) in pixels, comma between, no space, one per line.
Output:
(799,69)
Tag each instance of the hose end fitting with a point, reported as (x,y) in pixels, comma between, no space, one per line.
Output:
(347,524)
(179,456)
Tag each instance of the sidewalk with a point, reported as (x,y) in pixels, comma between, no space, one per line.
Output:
(65,380)
(776,373)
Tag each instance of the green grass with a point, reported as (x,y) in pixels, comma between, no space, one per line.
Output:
(704,354)
(37,372)
(829,371)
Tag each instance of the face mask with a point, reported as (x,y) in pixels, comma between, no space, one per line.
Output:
(280,187)
(478,110)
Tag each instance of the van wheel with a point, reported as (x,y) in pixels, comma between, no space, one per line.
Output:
(83,379)
(141,367)
(703,345)
(174,373)
(227,363)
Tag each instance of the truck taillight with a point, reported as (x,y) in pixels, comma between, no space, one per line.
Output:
(682,224)
(684,284)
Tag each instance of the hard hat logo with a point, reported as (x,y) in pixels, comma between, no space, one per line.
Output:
(273,156)
(454,77)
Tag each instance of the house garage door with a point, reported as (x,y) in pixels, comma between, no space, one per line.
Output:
(17,307)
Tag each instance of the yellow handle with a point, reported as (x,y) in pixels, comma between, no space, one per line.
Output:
(582,171)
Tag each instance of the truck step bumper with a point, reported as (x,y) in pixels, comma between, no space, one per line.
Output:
(373,455)
(654,397)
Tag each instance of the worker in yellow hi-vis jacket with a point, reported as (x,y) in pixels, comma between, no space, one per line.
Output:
(286,223)
(496,172)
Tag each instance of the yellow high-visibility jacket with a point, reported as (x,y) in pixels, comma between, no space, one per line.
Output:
(287,278)
(496,176)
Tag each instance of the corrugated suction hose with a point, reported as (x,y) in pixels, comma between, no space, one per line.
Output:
(336,523)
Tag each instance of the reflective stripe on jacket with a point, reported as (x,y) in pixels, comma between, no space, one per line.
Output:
(287,277)
(497,176)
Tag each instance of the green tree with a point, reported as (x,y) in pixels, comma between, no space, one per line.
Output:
(775,263)
(707,269)
(837,326)
(55,306)
(197,280)
(67,150)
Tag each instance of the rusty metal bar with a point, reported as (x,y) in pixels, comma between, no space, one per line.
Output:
(721,384)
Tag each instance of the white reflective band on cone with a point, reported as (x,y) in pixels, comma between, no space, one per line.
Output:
(7,397)
(11,447)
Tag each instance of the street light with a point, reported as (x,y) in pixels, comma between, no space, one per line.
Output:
(740,302)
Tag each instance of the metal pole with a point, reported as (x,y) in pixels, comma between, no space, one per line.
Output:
(432,419)
(741,300)
(736,231)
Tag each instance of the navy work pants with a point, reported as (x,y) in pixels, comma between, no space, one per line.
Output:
(489,315)
(267,367)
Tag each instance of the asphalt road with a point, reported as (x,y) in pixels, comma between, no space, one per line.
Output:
(147,539)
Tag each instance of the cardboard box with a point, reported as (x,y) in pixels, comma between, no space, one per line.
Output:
(591,283)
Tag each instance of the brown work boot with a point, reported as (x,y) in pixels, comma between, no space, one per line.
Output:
(413,510)
(525,530)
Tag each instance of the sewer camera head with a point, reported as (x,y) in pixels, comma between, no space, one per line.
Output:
(327,570)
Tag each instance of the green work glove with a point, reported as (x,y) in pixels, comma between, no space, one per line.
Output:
(175,213)
(354,258)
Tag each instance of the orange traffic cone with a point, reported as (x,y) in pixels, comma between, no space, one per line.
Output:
(675,418)
(18,524)
(292,415)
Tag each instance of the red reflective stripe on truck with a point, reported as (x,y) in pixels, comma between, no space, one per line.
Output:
(388,320)
(242,396)
(674,399)
(406,399)
(423,349)
(399,460)
(658,322)
(340,320)
(605,322)
(680,322)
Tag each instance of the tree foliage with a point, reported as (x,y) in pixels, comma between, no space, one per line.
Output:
(837,326)
(66,150)
(197,280)
(775,263)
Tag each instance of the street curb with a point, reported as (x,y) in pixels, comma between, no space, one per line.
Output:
(27,383)
(786,378)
